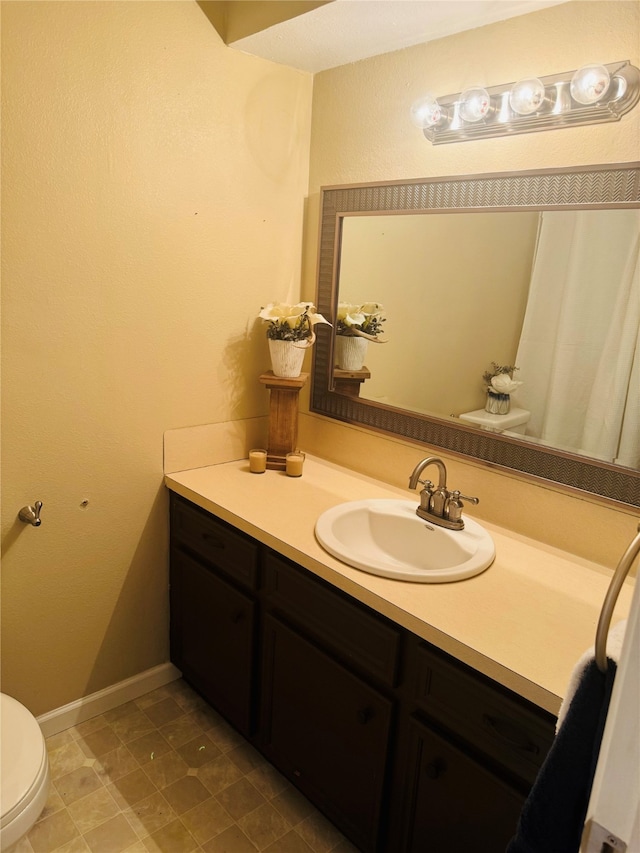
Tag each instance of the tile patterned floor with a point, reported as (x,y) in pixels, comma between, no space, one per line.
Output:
(166,774)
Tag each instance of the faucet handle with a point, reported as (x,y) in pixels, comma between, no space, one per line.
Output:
(466,498)
(425,494)
(453,509)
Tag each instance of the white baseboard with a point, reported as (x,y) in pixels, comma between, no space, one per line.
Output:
(104,700)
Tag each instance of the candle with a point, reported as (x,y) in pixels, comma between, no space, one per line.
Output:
(294,463)
(257,461)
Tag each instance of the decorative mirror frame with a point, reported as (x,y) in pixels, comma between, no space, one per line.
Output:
(607,186)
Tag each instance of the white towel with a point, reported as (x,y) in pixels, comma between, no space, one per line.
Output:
(614,647)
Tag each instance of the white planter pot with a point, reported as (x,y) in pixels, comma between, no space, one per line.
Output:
(497,404)
(351,352)
(286,358)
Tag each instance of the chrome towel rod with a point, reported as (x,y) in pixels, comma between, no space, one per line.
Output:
(621,572)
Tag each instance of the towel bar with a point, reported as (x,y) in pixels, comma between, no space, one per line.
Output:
(622,570)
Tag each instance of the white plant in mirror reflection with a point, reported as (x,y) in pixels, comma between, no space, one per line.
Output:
(502,384)
(499,380)
(363,320)
(292,322)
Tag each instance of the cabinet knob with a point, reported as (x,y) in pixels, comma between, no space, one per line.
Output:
(510,733)
(436,768)
(364,715)
(237,617)
(212,540)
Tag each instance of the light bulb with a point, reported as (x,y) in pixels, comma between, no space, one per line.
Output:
(589,84)
(475,104)
(527,96)
(426,112)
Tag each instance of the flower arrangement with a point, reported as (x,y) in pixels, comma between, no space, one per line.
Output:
(291,322)
(500,379)
(363,321)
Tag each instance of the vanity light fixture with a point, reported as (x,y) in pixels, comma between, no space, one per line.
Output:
(527,96)
(475,104)
(426,112)
(590,95)
(589,84)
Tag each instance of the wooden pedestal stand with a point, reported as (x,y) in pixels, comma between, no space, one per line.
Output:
(283,416)
(348,382)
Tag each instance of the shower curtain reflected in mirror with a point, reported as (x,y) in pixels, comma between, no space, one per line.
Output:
(579,353)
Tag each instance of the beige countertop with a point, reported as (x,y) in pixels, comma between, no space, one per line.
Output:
(524,622)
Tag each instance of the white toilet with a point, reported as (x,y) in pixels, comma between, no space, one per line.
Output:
(24,771)
(513,423)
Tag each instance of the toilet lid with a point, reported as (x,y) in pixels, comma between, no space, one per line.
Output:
(23,757)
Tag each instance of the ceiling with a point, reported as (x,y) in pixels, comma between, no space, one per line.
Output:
(346,31)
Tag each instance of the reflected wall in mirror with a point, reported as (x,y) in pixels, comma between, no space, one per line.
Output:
(454,289)
(556,293)
(538,269)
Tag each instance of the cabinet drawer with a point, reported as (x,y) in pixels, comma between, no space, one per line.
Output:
(344,627)
(231,552)
(499,725)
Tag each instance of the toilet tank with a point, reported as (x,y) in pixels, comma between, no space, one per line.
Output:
(515,421)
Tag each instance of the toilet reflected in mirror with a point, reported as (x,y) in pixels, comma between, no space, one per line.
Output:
(513,423)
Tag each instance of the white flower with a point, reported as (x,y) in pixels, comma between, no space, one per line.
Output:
(365,320)
(353,319)
(504,384)
(291,322)
(350,315)
(372,309)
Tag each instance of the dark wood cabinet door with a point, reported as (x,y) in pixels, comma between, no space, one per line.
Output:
(326,730)
(453,803)
(217,630)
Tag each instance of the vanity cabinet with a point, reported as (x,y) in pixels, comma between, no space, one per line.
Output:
(472,751)
(453,801)
(213,578)
(326,730)
(402,747)
(329,666)
(508,730)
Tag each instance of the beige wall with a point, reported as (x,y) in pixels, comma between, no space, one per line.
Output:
(361,132)
(361,129)
(436,274)
(153,197)
(153,187)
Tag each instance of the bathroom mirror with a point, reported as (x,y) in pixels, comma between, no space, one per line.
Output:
(495,222)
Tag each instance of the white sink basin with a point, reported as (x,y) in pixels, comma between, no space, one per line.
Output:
(386,537)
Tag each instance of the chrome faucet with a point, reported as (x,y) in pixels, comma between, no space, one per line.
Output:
(437,503)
